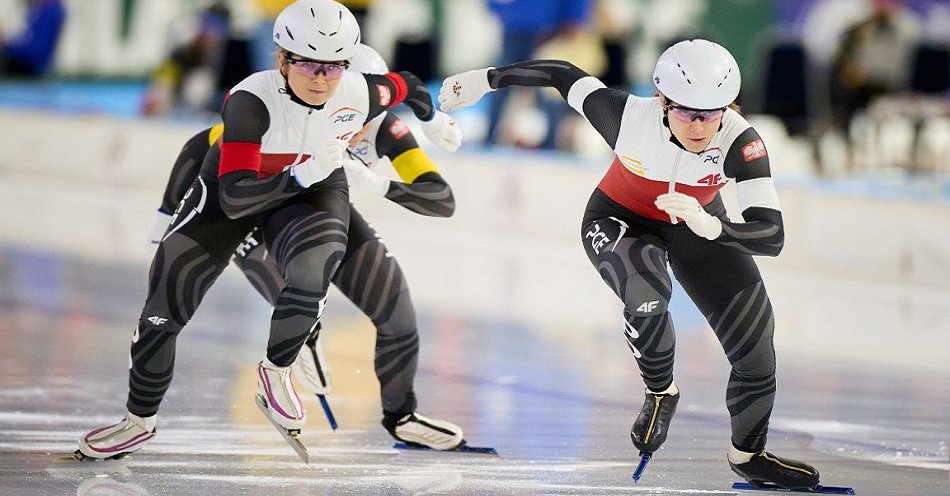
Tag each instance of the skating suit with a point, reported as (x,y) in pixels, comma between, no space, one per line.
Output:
(246,183)
(369,275)
(630,242)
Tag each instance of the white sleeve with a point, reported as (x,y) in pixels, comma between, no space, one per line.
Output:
(579,91)
(759,192)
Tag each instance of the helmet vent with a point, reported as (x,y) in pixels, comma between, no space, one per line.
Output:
(339,16)
(725,78)
(684,73)
(288,32)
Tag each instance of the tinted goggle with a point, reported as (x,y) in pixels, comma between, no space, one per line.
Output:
(687,114)
(311,68)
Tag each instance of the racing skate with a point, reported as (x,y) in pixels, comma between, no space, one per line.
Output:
(768,472)
(650,428)
(278,401)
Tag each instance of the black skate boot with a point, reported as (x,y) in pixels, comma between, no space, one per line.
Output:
(765,468)
(649,430)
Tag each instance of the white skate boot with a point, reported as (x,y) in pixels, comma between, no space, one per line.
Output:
(414,429)
(118,440)
(277,391)
(310,367)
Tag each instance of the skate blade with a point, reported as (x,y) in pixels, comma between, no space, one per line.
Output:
(80,463)
(291,439)
(462,448)
(819,489)
(326,410)
(644,460)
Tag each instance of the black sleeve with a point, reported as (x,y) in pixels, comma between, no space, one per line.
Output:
(185,170)
(603,108)
(241,192)
(763,231)
(738,166)
(428,193)
(385,92)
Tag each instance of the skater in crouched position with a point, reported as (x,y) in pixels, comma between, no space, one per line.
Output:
(277,167)
(368,275)
(658,204)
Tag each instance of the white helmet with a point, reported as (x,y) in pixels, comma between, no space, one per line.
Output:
(367,60)
(699,74)
(318,30)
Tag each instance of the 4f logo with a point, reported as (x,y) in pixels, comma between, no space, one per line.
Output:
(648,306)
(156,320)
(712,179)
(344,118)
(597,237)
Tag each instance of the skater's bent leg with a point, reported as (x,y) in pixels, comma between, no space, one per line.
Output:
(745,329)
(733,298)
(308,250)
(307,242)
(635,269)
(372,279)
(633,264)
(182,272)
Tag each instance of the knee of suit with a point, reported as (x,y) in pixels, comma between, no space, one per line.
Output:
(148,323)
(646,305)
(393,316)
(161,315)
(755,361)
(312,269)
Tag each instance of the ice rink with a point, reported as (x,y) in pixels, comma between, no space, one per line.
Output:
(521,345)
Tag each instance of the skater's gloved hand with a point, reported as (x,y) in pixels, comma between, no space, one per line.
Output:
(157,231)
(443,131)
(462,90)
(359,176)
(327,157)
(688,208)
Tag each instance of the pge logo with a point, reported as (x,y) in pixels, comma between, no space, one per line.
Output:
(345,115)
(361,150)
(712,156)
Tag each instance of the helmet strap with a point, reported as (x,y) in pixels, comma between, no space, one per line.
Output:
(293,96)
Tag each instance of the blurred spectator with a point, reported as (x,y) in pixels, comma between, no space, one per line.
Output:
(872,60)
(263,48)
(30,53)
(613,22)
(405,33)
(197,73)
(527,25)
(359,8)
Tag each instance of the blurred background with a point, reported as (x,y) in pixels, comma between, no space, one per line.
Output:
(843,86)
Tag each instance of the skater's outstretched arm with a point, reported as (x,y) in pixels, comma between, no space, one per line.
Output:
(603,107)
(422,189)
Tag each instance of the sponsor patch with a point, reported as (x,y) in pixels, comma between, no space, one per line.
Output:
(385,95)
(398,129)
(754,150)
